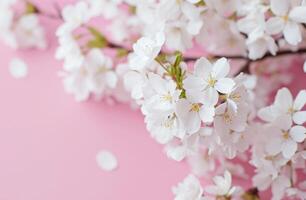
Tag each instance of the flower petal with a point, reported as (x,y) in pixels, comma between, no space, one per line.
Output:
(221,68)
(298,133)
(283,100)
(299,117)
(275,25)
(300,100)
(289,147)
(202,67)
(225,85)
(297,14)
(292,33)
(207,114)
(210,96)
(280,7)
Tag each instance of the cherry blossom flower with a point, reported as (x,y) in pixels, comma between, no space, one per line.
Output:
(189,189)
(286,137)
(285,105)
(222,185)
(207,80)
(287,20)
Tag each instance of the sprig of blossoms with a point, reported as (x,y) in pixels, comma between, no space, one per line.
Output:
(21,28)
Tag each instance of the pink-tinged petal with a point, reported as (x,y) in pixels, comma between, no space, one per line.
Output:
(299,117)
(289,148)
(207,114)
(202,68)
(284,122)
(225,85)
(300,100)
(210,96)
(298,133)
(267,114)
(283,100)
(280,7)
(221,68)
(292,33)
(297,14)
(274,146)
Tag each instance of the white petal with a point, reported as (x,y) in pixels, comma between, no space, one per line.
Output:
(275,25)
(221,68)
(274,147)
(298,133)
(280,7)
(207,114)
(111,79)
(292,33)
(267,114)
(210,96)
(283,100)
(202,67)
(225,85)
(106,161)
(300,100)
(289,147)
(18,68)
(284,122)
(157,83)
(304,67)
(299,117)
(297,14)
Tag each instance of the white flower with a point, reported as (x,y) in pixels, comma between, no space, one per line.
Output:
(135,82)
(69,51)
(145,51)
(94,76)
(75,15)
(304,67)
(29,33)
(207,80)
(191,114)
(164,127)
(285,105)
(164,97)
(189,189)
(287,20)
(259,40)
(222,185)
(286,138)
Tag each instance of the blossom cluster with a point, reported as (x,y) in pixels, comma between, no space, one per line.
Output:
(202,73)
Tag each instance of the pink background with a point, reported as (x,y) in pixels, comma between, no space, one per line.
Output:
(48,142)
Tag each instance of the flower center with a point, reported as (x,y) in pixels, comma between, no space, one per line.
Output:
(227,117)
(235,97)
(211,81)
(167,97)
(286,135)
(285,18)
(290,110)
(195,107)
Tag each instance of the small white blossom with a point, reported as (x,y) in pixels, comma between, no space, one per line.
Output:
(189,189)
(222,185)
(207,80)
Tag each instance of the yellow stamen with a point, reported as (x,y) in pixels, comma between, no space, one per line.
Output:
(195,107)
